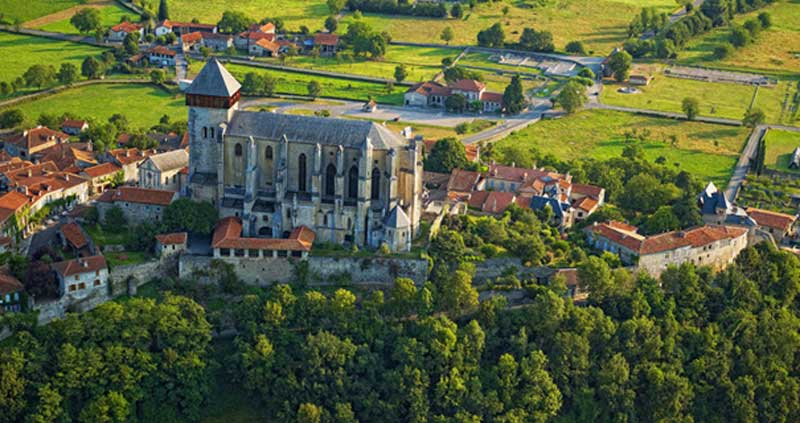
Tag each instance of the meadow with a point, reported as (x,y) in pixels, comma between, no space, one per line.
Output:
(780,146)
(25,10)
(377,69)
(109,16)
(21,52)
(706,151)
(717,99)
(293,12)
(142,104)
(296,84)
(775,51)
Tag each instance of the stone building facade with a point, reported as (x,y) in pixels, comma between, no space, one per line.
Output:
(349,181)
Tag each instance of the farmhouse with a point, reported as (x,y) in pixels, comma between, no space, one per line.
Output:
(137,204)
(73,238)
(779,225)
(180,28)
(434,94)
(265,48)
(81,277)
(120,31)
(217,42)
(161,56)
(328,44)
(74,127)
(172,243)
(34,140)
(714,246)
(162,171)
(191,42)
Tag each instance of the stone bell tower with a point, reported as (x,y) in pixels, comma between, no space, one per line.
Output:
(212,98)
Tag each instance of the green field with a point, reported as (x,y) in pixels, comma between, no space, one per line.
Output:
(296,84)
(377,69)
(717,99)
(109,16)
(483,60)
(142,104)
(600,24)
(780,146)
(311,13)
(707,151)
(777,49)
(25,10)
(21,52)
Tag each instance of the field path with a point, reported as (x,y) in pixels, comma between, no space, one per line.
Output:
(65,14)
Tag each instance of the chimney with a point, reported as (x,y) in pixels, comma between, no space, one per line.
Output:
(127,153)
(66,177)
(30,173)
(84,263)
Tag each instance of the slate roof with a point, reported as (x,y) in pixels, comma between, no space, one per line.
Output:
(170,160)
(711,199)
(311,129)
(214,80)
(398,219)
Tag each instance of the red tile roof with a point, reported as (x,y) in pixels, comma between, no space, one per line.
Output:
(468,85)
(267,27)
(74,235)
(130,155)
(35,137)
(192,37)
(75,124)
(172,238)
(771,219)
(621,234)
(520,174)
(497,202)
(473,151)
(80,265)
(162,50)
(268,45)
(587,190)
(102,170)
(9,284)
(155,197)
(492,97)
(429,88)
(126,27)
(228,233)
(587,204)
(10,203)
(325,39)
(463,180)
(255,36)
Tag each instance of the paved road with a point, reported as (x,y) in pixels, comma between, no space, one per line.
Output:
(674,17)
(181,67)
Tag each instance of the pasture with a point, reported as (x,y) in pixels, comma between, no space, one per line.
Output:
(296,84)
(775,51)
(21,52)
(706,151)
(25,10)
(142,104)
(780,146)
(293,12)
(109,15)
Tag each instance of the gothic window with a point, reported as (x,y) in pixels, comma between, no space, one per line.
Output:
(376,184)
(268,153)
(237,149)
(352,183)
(330,180)
(301,173)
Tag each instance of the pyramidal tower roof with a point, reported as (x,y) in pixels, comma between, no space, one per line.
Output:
(214,80)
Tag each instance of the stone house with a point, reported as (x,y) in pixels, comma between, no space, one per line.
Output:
(180,28)
(118,32)
(780,225)
(74,127)
(328,44)
(13,216)
(101,176)
(228,243)
(74,239)
(264,48)
(172,243)
(137,204)
(715,246)
(245,40)
(12,294)
(191,42)
(34,140)
(162,171)
(81,277)
(161,56)
(218,42)
(44,183)
(434,94)
(129,160)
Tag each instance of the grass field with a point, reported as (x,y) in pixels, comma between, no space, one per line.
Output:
(25,10)
(777,49)
(780,146)
(311,13)
(600,24)
(717,99)
(142,104)
(483,60)
(20,52)
(707,151)
(109,16)
(296,83)
(377,69)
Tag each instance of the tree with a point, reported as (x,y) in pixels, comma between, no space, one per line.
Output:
(457,12)
(447,34)
(403,298)
(40,280)
(620,64)
(336,6)
(575,47)
(91,68)
(740,36)
(331,24)
(723,51)
(187,215)
(456,103)
(572,97)
(492,36)
(119,121)
(114,219)
(163,10)
(691,107)
(447,154)
(11,118)
(663,220)
(67,73)
(234,22)
(39,75)
(131,43)
(458,296)
(157,76)
(314,89)
(400,73)
(766,19)
(753,118)
(86,20)
(536,40)
(513,97)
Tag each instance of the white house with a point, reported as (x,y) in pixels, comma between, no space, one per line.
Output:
(81,277)
(120,31)
(162,171)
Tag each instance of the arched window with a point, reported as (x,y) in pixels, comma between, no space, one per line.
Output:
(205,132)
(352,183)
(238,150)
(301,173)
(376,184)
(330,180)
(211,130)
(268,153)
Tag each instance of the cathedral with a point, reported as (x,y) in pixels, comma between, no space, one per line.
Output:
(351,181)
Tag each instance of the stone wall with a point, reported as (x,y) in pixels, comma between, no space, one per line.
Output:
(322,270)
(141,273)
(494,268)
